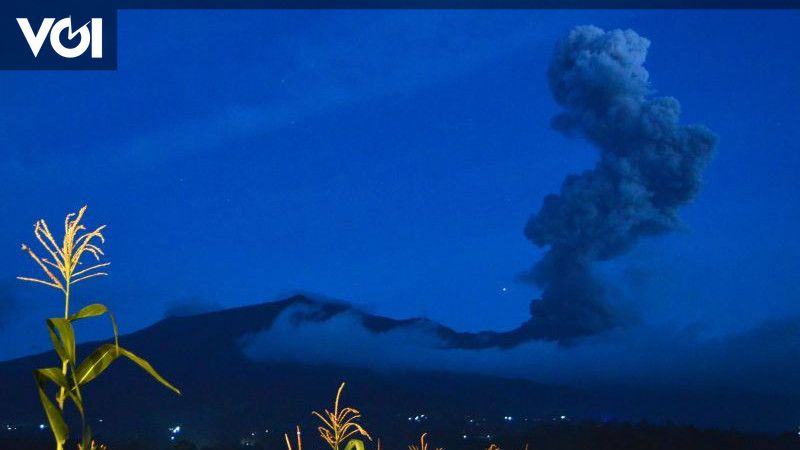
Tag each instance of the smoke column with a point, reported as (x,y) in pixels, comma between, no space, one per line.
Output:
(649,167)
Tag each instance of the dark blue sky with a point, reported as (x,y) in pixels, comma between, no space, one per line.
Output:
(390,159)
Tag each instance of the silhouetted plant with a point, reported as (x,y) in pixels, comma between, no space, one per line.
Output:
(289,443)
(423,444)
(63,269)
(93,446)
(497,447)
(340,425)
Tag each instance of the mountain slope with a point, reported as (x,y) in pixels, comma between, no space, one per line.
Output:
(225,395)
(228,396)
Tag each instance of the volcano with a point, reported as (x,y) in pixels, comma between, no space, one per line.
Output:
(231,397)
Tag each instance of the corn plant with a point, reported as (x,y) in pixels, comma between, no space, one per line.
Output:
(289,443)
(63,268)
(423,444)
(352,444)
(94,446)
(340,425)
(497,447)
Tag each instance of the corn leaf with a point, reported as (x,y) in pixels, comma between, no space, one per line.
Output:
(100,359)
(86,441)
(148,368)
(57,345)
(63,337)
(54,417)
(97,362)
(94,310)
(54,374)
(354,444)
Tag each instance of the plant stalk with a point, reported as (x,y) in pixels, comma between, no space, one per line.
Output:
(62,394)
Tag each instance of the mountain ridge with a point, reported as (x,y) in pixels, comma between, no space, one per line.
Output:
(227,394)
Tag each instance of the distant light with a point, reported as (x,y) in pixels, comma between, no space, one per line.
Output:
(563,417)
(504,290)
(41,426)
(464,436)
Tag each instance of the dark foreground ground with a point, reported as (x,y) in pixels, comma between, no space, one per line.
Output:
(545,436)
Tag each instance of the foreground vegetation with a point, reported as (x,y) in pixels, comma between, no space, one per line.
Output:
(63,267)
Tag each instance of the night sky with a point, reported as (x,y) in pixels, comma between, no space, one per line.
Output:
(392,160)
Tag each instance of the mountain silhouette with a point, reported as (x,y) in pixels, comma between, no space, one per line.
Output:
(228,396)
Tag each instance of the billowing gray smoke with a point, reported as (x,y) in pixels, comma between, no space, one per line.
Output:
(649,167)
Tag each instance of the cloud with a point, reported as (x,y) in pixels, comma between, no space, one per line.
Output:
(688,357)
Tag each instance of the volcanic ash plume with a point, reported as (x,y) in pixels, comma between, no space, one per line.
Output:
(649,167)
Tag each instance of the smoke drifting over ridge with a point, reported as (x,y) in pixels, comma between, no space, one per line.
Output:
(649,166)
